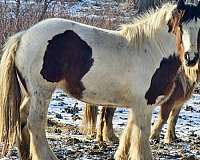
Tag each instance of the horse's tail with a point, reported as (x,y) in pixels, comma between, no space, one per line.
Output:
(89,119)
(10,94)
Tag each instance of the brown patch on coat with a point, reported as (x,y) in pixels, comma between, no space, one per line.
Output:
(179,16)
(67,57)
(175,27)
(163,79)
(182,92)
(177,94)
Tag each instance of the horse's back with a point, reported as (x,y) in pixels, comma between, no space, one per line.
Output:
(36,40)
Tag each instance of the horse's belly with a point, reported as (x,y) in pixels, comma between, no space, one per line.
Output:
(105,90)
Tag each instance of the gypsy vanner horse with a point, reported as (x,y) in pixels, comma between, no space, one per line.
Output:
(132,67)
(184,88)
(169,110)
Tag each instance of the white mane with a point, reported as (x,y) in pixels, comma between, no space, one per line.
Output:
(147,25)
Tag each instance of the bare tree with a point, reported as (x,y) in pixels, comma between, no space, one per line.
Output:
(17,13)
(44,9)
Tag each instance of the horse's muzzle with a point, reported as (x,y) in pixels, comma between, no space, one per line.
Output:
(191,59)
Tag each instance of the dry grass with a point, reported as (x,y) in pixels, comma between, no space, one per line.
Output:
(30,14)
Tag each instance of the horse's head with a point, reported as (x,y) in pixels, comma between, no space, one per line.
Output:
(184,24)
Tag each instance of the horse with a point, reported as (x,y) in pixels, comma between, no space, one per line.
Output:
(96,66)
(169,110)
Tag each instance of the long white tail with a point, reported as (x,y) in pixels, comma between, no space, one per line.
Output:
(10,94)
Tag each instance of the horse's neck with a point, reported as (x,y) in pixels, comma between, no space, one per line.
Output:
(166,42)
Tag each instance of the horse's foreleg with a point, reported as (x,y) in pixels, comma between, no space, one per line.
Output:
(108,131)
(156,128)
(165,110)
(141,124)
(122,152)
(39,148)
(170,134)
(24,138)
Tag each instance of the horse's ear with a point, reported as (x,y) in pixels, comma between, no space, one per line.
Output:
(181,4)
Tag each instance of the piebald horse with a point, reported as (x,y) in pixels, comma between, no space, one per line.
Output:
(169,109)
(119,68)
(184,87)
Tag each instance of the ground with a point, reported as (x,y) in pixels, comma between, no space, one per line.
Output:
(68,143)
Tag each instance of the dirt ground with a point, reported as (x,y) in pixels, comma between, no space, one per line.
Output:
(70,144)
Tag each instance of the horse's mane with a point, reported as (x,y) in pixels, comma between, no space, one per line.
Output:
(147,25)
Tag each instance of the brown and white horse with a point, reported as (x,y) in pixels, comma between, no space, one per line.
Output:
(169,109)
(119,68)
(184,87)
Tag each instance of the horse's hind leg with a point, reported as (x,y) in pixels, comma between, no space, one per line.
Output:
(24,139)
(89,119)
(106,130)
(99,135)
(39,148)
(170,134)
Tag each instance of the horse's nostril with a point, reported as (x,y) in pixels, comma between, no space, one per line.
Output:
(187,56)
(197,55)
(191,58)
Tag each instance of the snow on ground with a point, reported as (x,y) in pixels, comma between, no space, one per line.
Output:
(188,123)
(68,143)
